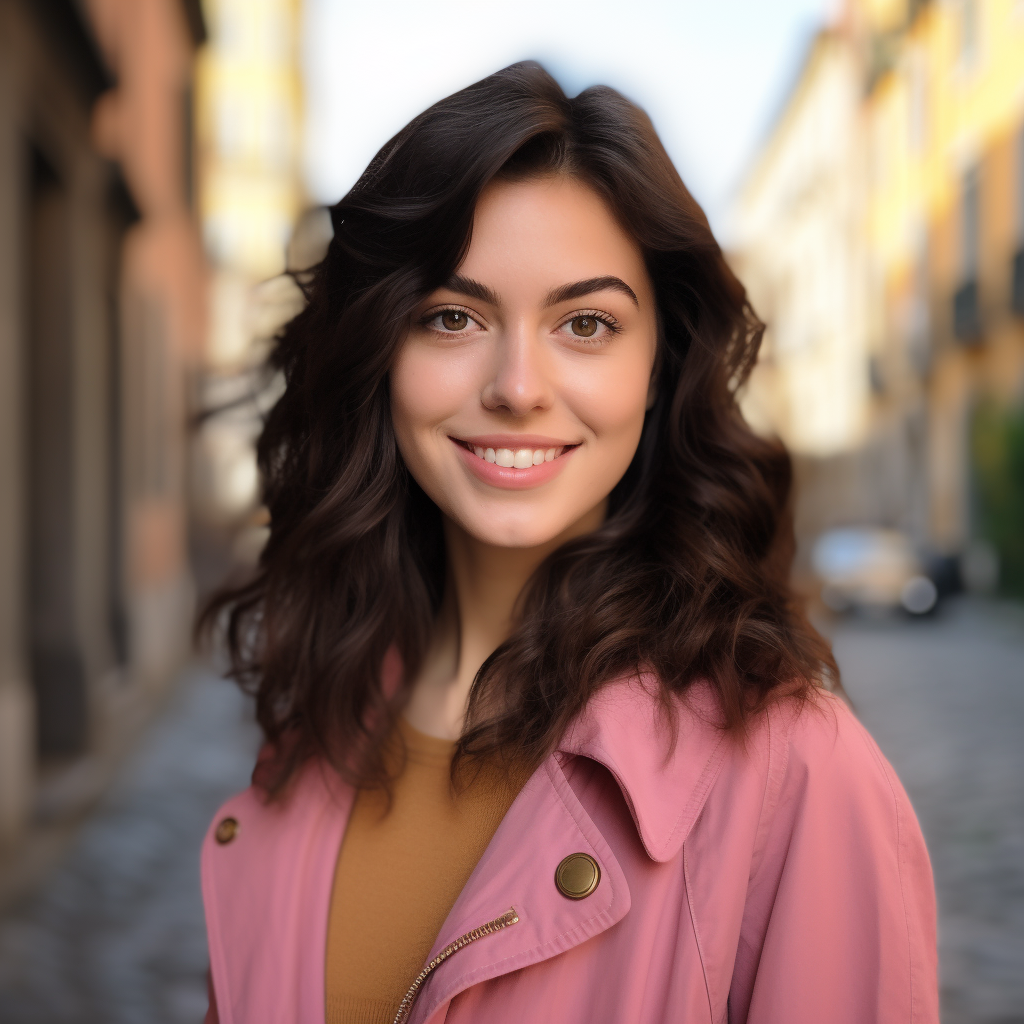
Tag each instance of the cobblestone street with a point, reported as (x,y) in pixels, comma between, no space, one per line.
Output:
(116,936)
(944,698)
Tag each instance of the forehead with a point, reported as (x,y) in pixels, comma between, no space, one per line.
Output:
(549,230)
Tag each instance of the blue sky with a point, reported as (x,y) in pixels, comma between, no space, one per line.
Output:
(711,74)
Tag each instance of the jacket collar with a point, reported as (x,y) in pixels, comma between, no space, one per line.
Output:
(665,786)
(628,729)
(518,875)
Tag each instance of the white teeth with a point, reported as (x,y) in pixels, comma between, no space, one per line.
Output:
(519,458)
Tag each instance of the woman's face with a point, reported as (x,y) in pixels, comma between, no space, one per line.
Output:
(519,394)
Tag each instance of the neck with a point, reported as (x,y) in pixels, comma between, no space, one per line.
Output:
(477,615)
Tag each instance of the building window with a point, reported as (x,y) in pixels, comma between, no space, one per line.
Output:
(966,307)
(970,223)
(1020,185)
(1017,270)
(919,347)
(970,16)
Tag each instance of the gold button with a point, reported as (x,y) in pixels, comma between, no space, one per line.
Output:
(577,876)
(226,830)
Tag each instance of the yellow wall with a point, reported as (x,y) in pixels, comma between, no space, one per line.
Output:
(937,111)
(249,122)
(937,91)
(952,100)
(249,132)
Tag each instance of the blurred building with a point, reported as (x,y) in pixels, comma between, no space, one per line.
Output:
(101,315)
(800,250)
(251,196)
(916,169)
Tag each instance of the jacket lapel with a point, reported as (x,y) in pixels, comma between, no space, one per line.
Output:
(664,783)
(545,824)
(665,758)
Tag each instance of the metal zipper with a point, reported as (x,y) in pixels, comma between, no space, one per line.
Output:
(509,917)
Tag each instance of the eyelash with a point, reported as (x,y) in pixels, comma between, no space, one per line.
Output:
(435,313)
(595,314)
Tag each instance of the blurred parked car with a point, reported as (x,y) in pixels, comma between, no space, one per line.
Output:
(872,568)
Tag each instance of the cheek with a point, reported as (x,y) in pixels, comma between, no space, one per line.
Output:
(428,386)
(610,397)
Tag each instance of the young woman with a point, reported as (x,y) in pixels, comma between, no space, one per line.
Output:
(547,738)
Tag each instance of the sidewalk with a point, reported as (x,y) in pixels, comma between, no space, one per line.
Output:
(944,698)
(117,935)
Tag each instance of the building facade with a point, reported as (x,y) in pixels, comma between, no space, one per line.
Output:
(251,196)
(102,282)
(799,249)
(946,203)
(933,133)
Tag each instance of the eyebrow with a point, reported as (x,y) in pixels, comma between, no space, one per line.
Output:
(594,284)
(474,289)
(576,290)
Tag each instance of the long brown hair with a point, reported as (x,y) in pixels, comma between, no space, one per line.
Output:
(688,576)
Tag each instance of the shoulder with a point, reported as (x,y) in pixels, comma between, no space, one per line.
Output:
(803,765)
(252,820)
(817,742)
(253,841)
(839,876)
(830,790)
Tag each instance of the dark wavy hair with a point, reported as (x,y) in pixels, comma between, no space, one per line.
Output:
(686,579)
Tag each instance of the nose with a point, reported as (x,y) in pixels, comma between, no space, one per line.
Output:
(520,381)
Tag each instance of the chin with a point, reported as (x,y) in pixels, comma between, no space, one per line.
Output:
(517,534)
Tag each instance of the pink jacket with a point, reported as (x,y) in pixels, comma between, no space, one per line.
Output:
(782,880)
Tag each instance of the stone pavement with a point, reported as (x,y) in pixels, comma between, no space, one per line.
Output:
(944,698)
(116,936)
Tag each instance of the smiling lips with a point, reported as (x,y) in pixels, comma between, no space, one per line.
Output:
(512,462)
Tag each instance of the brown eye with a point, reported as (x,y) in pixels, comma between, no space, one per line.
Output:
(454,320)
(584,326)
